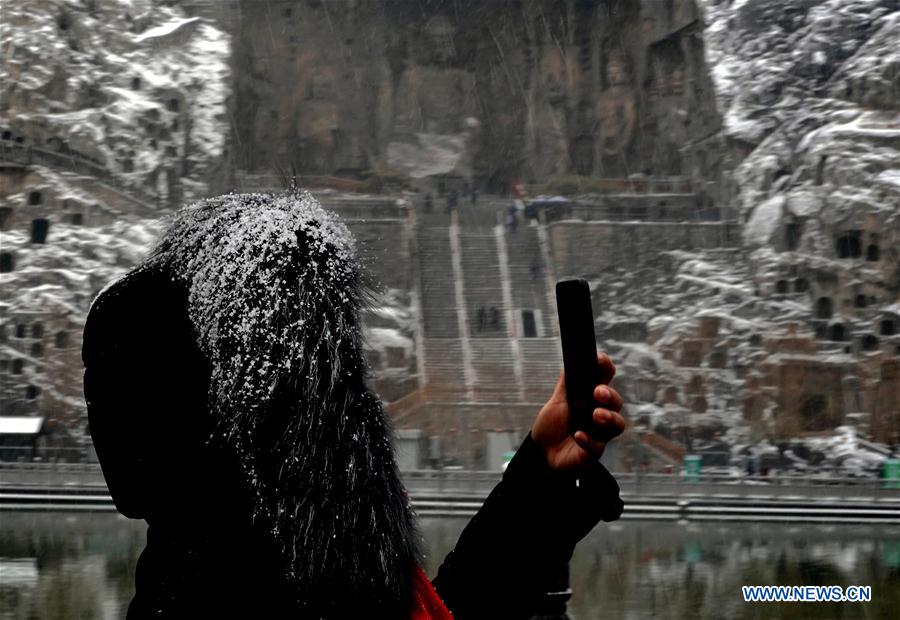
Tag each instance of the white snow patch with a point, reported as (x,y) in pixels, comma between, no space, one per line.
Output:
(764,221)
(165,29)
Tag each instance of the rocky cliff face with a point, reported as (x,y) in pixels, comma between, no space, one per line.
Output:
(812,92)
(133,86)
(496,91)
(783,112)
(795,332)
(46,297)
(799,331)
(108,108)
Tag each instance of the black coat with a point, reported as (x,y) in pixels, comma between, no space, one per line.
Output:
(145,384)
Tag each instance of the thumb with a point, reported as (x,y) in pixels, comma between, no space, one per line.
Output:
(559,392)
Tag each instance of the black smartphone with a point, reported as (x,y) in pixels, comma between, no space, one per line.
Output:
(579,349)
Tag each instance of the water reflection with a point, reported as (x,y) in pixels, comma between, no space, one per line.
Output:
(71,565)
(67,565)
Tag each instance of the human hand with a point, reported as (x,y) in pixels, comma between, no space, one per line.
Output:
(551,427)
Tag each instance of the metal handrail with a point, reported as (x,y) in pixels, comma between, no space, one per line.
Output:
(468,475)
(43,466)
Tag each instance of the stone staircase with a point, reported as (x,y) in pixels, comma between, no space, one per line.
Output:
(541,363)
(493,353)
(444,368)
(436,280)
(484,379)
(492,361)
(527,273)
(481,274)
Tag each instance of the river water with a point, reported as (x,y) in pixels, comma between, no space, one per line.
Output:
(81,565)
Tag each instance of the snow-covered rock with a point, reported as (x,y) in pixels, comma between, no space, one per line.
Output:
(132,85)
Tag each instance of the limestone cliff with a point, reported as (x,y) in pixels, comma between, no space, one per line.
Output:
(798,331)
(490,91)
(784,112)
(133,86)
(795,332)
(812,92)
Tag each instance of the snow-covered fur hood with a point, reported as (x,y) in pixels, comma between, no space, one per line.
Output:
(274,295)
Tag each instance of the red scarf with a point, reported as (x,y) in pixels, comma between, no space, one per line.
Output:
(427,605)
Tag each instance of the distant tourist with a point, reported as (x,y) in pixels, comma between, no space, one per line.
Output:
(512,219)
(452,201)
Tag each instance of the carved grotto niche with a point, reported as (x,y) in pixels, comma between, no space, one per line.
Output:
(848,245)
(824,308)
(39,228)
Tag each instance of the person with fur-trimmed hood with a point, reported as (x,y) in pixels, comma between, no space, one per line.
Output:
(225,384)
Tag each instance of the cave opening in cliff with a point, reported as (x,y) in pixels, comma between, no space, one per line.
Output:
(873,254)
(63,21)
(837,332)
(869,342)
(792,233)
(824,308)
(813,412)
(887,327)
(39,228)
(849,244)
(6,262)
(35,198)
